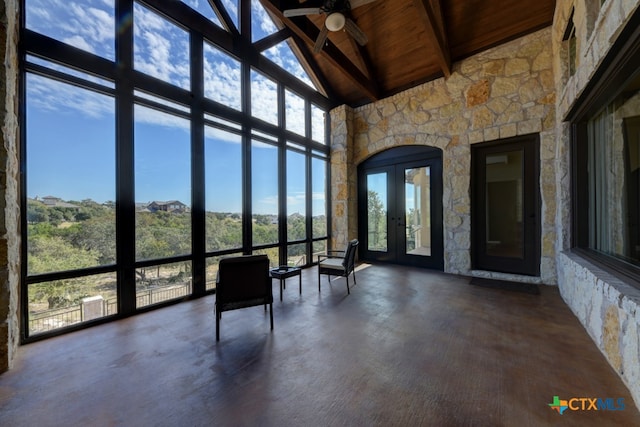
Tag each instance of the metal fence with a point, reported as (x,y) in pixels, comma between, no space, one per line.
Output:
(48,320)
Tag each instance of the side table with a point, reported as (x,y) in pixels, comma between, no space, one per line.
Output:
(283,272)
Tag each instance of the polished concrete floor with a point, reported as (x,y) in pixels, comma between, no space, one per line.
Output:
(408,347)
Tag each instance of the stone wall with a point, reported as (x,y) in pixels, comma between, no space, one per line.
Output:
(9,185)
(500,93)
(607,307)
(609,310)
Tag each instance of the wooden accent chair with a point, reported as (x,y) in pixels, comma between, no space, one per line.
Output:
(243,281)
(339,263)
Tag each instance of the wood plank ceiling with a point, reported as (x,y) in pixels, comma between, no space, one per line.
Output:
(409,41)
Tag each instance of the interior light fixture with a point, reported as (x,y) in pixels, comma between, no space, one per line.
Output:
(335,21)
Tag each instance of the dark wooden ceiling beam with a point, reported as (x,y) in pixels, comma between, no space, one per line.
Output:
(309,64)
(302,53)
(364,56)
(308,32)
(430,12)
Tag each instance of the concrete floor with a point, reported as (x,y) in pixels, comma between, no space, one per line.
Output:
(408,347)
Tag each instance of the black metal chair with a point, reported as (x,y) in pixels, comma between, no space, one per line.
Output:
(243,281)
(339,263)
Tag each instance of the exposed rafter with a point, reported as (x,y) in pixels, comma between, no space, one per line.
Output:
(305,56)
(302,53)
(362,53)
(430,12)
(308,32)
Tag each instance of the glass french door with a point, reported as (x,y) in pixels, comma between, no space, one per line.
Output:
(401,213)
(505,206)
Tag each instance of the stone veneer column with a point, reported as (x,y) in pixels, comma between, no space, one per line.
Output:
(343,203)
(9,185)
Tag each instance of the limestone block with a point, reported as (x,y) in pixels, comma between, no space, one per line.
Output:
(483,118)
(530,90)
(470,69)
(360,125)
(476,136)
(458,125)
(513,114)
(493,68)
(549,120)
(341,193)
(610,337)
(450,110)
(462,240)
(492,133)
(532,46)
(498,105)
(516,66)
(437,97)
(457,84)
(548,247)
(419,118)
(388,109)
(542,61)
(478,93)
(505,86)
(534,111)
(508,130)
(529,126)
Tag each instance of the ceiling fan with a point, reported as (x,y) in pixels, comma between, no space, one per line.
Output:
(337,12)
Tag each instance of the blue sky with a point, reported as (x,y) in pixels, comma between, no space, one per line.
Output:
(71,132)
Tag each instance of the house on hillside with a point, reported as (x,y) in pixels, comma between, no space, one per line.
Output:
(174,206)
(56,202)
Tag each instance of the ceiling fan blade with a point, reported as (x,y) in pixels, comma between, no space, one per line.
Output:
(302,11)
(322,37)
(358,3)
(355,32)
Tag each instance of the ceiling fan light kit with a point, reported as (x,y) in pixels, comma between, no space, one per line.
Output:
(335,21)
(338,17)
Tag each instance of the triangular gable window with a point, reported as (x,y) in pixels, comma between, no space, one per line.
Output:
(231,7)
(282,55)
(204,8)
(261,23)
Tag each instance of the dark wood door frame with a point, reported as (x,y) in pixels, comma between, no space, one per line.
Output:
(392,162)
(529,263)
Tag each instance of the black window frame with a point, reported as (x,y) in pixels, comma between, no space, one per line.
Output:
(126,79)
(619,67)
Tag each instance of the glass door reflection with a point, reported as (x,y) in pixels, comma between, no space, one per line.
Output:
(504,204)
(377,211)
(418,211)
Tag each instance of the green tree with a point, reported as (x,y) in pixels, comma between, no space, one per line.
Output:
(377,224)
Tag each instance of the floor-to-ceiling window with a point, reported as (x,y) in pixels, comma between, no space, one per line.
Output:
(606,162)
(157,139)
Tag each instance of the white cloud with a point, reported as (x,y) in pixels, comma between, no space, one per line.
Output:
(50,95)
(161,49)
(89,25)
(264,98)
(265,23)
(295,117)
(221,135)
(222,78)
(79,42)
